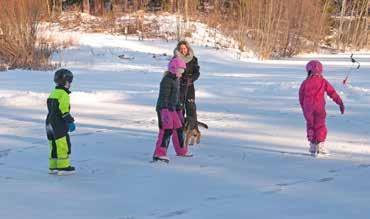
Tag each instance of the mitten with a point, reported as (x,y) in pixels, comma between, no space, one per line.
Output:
(71,126)
(341,107)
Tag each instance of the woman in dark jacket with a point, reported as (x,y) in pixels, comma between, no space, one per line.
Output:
(191,74)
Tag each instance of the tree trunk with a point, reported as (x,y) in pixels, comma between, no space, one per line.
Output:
(57,7)
(340,30)
(241,33)
(323,24)
(125,6)
(186,6)
(48,6)
(101,7)
(86,6)
(367,25)
(357,38)
(346,37)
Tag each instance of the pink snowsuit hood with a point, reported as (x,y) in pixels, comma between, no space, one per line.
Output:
(314,67)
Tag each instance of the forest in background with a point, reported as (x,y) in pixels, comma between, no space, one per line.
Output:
(270,28)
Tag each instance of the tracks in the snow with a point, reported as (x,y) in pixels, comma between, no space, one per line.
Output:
(4,153)
(285,185)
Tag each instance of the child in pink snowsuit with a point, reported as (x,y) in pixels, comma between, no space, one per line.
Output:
(170,117)
(312,101)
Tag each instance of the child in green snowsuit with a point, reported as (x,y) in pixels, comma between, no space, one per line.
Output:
(59,122)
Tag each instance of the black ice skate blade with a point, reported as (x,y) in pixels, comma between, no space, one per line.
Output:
(320,155)
(66,173)
(53,172)
(159,160)
(187,155)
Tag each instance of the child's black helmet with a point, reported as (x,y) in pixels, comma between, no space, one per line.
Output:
(62,76)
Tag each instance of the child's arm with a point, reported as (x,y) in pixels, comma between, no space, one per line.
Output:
(301,94)
(195,73)
(165,93)
(334,96)
(65,108)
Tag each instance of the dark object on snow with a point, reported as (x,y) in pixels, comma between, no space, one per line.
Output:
(123,56)
(162,159)
(350,71)
(3,67)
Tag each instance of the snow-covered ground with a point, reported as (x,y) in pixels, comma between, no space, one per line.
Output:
(251,163)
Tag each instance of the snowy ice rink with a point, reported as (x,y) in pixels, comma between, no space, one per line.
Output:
(251,163)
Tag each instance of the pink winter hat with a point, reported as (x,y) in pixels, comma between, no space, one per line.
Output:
(175,64)
(314,66)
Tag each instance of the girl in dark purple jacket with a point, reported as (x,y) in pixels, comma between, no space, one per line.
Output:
(170,117)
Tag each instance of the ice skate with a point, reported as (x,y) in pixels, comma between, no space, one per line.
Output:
(66,171)
(186,155)
(322,150)
(161,158)
(53,171)
(313,149)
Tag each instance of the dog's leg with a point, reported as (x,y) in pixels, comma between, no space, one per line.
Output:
(187,137)
(193,134)
(192,140)
(198,137)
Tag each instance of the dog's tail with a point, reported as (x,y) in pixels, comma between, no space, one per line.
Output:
(202,124)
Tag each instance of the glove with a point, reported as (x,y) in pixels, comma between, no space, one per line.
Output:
(71,126)
(341,107)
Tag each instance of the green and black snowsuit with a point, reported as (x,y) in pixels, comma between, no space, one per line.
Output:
(57,127)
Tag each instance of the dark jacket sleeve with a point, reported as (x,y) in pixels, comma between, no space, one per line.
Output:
(195,74)
(164,93)
(68,117)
